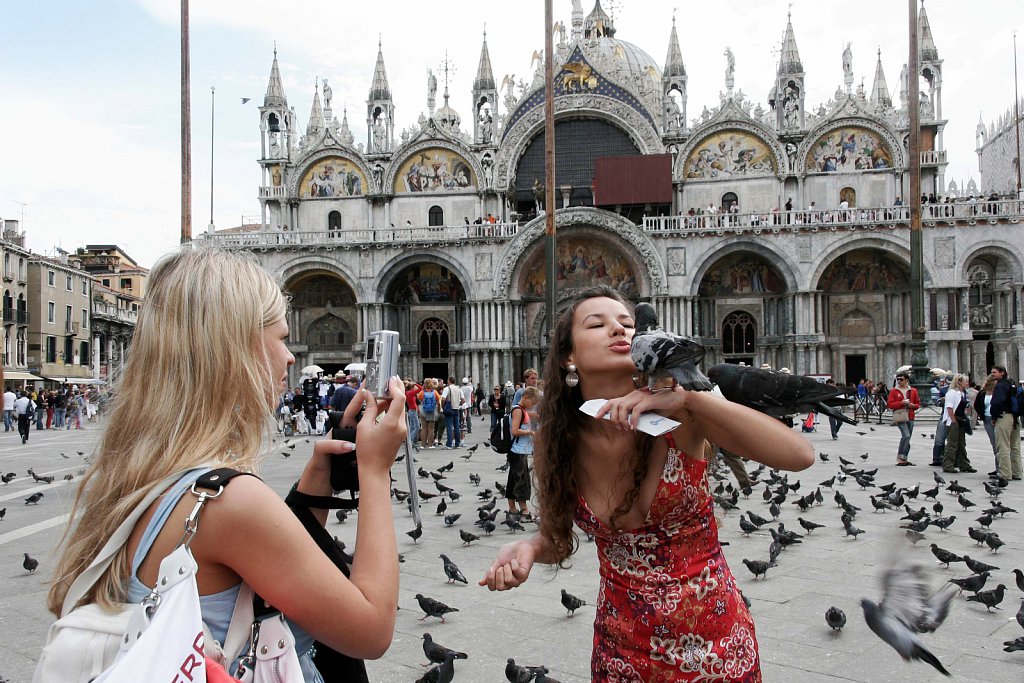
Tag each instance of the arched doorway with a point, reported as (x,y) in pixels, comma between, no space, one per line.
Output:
(434,347)
(739,335)
(728,200)
(848,195)
(323,321)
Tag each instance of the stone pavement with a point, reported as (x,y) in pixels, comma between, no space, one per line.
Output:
(530,624)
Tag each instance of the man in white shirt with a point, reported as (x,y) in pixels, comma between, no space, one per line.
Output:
(9,399)
(451,404)
(24,408)
(467,401)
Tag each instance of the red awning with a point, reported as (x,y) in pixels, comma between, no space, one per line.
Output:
(634,179)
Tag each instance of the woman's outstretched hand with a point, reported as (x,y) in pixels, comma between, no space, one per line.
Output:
(511,567)
(625,411)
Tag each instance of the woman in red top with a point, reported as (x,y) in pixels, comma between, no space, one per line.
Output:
(904,396)
(669,608)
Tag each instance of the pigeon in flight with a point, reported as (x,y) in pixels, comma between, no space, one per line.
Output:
(659,354)
(778,394)
(908,608)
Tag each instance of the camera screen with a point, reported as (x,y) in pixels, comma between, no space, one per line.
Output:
(369,349)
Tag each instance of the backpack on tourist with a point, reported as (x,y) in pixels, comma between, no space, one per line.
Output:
(501,433)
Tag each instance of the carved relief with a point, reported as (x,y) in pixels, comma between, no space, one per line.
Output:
(366,264)
(483,266)
(676,260)
(945,252)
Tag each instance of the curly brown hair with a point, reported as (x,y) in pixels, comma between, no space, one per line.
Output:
(562,423)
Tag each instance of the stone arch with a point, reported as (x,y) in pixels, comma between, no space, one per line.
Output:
(856,323)
(403,155)
(993,248)
(305,264)
(762,134)
(433,256)
(304,165)
(652,270)
(886,244)
(318,334)
(814,136)
(516,139)
(766,250)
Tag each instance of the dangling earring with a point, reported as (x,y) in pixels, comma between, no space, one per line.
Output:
(571,379)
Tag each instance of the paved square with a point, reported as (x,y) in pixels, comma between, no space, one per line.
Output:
(530,624)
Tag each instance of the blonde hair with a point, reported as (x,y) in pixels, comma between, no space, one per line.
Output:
(957,378)
(531,394)
(197,388)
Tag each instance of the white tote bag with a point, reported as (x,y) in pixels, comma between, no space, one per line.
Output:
(164,638)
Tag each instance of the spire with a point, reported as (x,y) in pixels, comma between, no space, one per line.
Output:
(598,24)
(674,59)
(275,91)
(316,114)
(880,90)
(346,136)
(380,89)
(929,53)
(789,63)
(484,74)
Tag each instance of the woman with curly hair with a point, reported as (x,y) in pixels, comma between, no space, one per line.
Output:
(669,608)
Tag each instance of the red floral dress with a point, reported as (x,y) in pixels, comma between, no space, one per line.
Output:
(669,608)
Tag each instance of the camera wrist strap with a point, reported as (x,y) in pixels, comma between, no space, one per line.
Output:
(298,499)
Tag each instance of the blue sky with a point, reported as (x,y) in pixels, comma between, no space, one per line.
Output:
(92,90)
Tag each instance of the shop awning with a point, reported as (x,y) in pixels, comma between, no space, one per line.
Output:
(75,380)
(19,376)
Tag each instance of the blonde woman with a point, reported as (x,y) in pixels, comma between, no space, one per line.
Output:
(955,418)
(215,320)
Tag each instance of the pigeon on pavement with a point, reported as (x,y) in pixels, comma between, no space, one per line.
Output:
(571,603)
(451,570)
(835,618)
(990,598)
(34,498)
(433,608)
(436,652)
(467,537)
(30,563)
(757,567)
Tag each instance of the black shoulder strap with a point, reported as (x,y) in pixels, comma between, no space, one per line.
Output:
(214,479)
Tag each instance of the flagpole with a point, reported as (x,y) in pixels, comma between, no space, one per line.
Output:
(213,108)
(186,132)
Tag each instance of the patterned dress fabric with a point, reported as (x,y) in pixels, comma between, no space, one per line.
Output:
(669,608)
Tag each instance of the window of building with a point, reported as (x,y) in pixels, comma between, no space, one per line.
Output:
(126,283)
(83,354)
(69,350)
(85,287)
(51,311)
(51,278)
(738,333)
(68,282)
(106,282)
(7,265)
(68,317)
(333,221)
(434,339)
(22,347)
(21,269)
(51,349)
(85,318)
(435,216)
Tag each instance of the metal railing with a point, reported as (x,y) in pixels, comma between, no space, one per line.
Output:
(831,219)
(110,311)
(405,235)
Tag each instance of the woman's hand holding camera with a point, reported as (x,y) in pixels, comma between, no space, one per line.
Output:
(379,441)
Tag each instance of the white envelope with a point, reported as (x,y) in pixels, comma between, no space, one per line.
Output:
(649,423)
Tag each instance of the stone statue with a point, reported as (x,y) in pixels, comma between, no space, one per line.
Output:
(925,107)
(328,95)
(791,108)
(379,135)
(486,125)
(487,164)
(730,68)
(276,176)
(791,154)
(378,177)
(672,114)
(848,65)
(538,194)
(431,91)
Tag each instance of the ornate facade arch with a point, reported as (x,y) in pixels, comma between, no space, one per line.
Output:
(766,249)
(899,157)
(403,154)
(750,127)
(997,248)
(626,118)
(303,165)
(888,244)
(303,264)
(655,277)
(436,256)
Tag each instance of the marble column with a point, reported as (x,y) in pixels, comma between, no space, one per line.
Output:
(965,318)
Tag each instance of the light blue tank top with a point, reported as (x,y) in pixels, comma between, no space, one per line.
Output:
(216,608)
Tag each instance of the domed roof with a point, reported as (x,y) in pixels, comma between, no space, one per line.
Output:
(615,55)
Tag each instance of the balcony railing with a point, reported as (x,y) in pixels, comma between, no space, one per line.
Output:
(71,328)
(349,238)
(21,317)
(8,315)
(273,192)
(112,312)
(933,157)
(831,219)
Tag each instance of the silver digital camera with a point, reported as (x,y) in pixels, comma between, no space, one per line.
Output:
(382,349)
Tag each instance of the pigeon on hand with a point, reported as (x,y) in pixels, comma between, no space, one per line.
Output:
(30,563)
(436,652)
(908,608)
(451,570)
(777,393)
(433,608)
(571,603)
(835,618)
(659,354)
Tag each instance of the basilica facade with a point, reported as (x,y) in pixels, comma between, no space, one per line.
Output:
(769,230)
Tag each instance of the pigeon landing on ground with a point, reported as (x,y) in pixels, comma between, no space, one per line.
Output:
(777,393)
(660,354)
(908,607)
(34,498)
(835,618)
(571,603)
(436,652)
(30,563)
(433,608)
